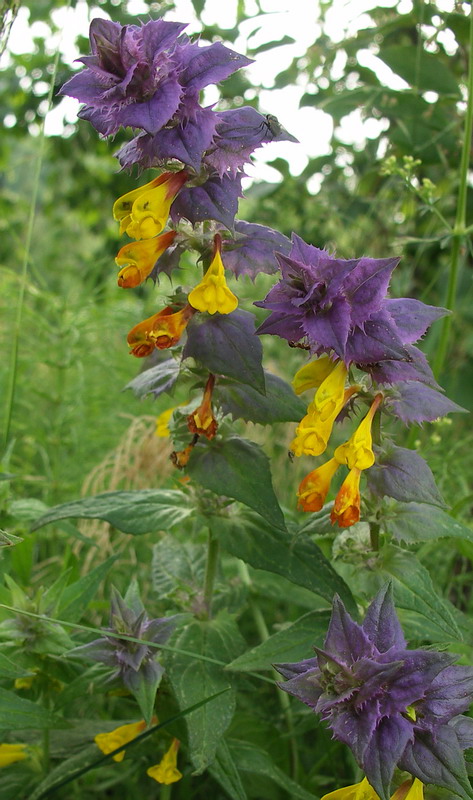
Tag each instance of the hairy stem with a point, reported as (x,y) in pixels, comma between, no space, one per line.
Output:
(459,231)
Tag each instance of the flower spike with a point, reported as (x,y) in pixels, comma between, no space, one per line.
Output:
(143,213)
(139,258)
(212,293)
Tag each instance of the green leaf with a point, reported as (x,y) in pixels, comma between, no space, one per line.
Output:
(414,590)
(262,48)
(193,679)
(176,565)
(425,71)
(227,345)
(76,597)
(293,643)
(279,404)
(296,557)
(416,522)
(226,773)
(27,508)
(155,380)
(11,670)
(250,758)
(237,468)
(131,512)
(16,713)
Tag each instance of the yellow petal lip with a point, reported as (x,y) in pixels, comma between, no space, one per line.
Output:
(166,771)
(138,259)
(315,486)
(212,293)
(143,212)
(108,742)
(10,753)
(311,375)
(358,450)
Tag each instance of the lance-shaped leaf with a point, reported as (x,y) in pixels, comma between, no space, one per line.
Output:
(438,759)
(295,557)
(416,522)
(252,249)
(291,644)
(279,404)
(216,199)
(237,468)
(155,380)
(131,512)
(404,475)
(192,679)
(17,713)
(227,345)
(414,591)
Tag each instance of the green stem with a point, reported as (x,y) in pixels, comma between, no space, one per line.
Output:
(13,370)
(165,793)
(459,231)
(374,535)
(282,696)
(46,751)
(210,572)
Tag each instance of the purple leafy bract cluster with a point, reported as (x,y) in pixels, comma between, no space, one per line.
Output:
(390,705)
(339,306)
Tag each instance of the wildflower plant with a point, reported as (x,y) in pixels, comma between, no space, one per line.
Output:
(386,688)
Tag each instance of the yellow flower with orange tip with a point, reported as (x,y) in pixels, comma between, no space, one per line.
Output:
(358,450)
(346,508)
(202,420)
(143,212)
(315,486)
(166,771)
(162,330)
(212,293)
(10,753)
(108,742)
(138,259)
(311,375)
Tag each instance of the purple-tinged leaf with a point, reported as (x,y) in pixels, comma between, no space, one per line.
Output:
(155,380)
(416,402)
(416,522)
(439,760)
(252,249)
(344,636)
(216,199)
(404,475)
(329,328)
(412,317)
(157,35)
(237,468)
(376,341)
(210,64)
(450,693)
(278,404)
(283,325)
(381,623)
(366,286)
(152,114)
(226,344)
(417,369)
(386,747)
(463,727)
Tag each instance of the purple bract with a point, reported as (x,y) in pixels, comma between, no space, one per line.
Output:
(390,705)
(148,77)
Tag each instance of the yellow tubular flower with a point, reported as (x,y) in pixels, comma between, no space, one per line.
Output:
(139,258)
(212,293)
(330,396)
(166,771)
(202,420)
(358,451)
(10,753)
(314,488)
(357,791)
(107,742)
(314,430)
(143,213)
(162,330)
(410,790)
(311,375)
(162,423)
(346,509)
